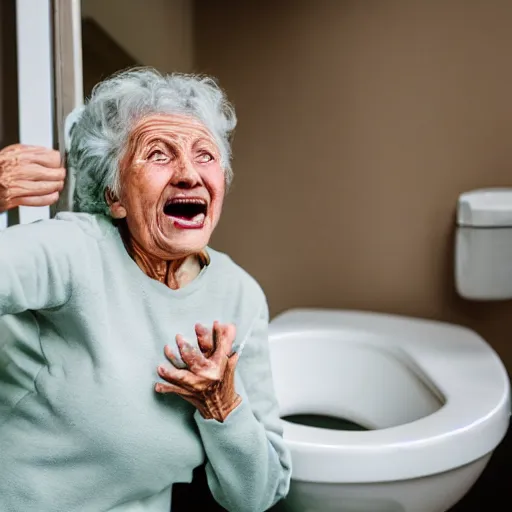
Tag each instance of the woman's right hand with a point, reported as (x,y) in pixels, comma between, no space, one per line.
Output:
(29,176)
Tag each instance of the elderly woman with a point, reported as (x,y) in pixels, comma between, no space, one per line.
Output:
(121,331)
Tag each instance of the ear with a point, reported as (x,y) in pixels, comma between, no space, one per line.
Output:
(116,209)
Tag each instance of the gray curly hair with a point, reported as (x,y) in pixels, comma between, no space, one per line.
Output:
(97,133)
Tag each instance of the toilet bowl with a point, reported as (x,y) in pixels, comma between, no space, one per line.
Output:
(430,402)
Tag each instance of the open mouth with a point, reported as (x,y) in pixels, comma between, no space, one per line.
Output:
(186,212)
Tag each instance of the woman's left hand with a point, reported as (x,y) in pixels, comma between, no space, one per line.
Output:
(208,383)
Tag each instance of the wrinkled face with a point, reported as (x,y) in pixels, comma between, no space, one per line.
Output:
(172,186)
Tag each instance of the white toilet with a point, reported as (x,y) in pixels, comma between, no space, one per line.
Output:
(424,403)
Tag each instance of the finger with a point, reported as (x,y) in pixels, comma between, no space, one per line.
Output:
(43,156)
(35,188)
(46,200)
(21,149)
(224,336)
(173,375)
(160,387)
(41,196)
(24,148)
(48,158)
(183,378)
(36,172)
(190,355)
(231,334)
(172,358)
(204,339)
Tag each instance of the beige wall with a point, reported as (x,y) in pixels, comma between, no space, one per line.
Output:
(156,32)
(360,124)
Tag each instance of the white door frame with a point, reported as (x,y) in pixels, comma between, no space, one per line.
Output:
(48,32)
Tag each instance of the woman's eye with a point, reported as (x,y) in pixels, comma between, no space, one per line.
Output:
(205,157)
(157,156)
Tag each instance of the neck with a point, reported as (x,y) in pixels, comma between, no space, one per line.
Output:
(173,273)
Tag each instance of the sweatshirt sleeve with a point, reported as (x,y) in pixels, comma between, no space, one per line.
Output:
(34,267)
(249,466)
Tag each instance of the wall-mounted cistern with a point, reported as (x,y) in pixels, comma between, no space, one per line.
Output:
(483,245)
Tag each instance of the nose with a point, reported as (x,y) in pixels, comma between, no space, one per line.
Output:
(185,175)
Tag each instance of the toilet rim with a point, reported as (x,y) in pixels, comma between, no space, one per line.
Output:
(468,426)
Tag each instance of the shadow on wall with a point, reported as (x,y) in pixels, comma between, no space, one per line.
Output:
(101,55)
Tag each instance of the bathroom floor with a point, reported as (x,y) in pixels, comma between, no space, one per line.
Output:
(492,487)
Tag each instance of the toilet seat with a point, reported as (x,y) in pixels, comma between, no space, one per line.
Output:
(465,369)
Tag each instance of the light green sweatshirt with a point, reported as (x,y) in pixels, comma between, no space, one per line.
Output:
(82,331)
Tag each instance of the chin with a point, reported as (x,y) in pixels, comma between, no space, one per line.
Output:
(185,243)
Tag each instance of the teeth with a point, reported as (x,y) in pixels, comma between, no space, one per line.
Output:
(186,200)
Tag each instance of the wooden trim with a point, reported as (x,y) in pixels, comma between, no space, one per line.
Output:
(68,80)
